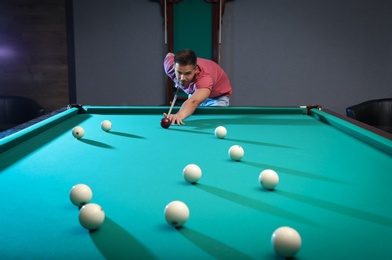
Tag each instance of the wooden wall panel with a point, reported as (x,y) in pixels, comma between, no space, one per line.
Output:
(33,51)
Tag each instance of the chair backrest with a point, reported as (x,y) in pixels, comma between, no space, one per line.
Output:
(376,112)
(16,110)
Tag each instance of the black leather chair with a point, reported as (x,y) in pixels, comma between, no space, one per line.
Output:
(15,110)
(377,113)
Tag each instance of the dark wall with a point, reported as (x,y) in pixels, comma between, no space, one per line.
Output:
(33,51)
(119,51)
(275,52)
(328,52)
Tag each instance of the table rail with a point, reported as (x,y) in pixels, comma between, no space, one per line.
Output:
(371,135)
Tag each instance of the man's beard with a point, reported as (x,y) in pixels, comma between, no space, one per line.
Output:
(181,82)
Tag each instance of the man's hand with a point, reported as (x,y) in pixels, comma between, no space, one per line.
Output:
(189,106)
(175,119)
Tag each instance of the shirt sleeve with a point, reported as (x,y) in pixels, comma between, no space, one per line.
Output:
(204,82)
(168,65)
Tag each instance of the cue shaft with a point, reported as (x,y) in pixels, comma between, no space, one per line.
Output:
(165,22)
(220,32)
(173,102)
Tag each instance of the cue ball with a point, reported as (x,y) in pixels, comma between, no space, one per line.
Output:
(192,173)
(165,122)
(106,125)
(91,216)
(78,132)
(176,213)
(268,179)
(80,194)
(236,152)
(220,132)
(286,241)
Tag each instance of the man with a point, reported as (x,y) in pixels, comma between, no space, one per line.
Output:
(203,80)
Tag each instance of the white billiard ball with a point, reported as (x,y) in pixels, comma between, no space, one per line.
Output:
(78,132)
(268,179)
(80,194)
(91,216)
(236,152)
(220,132)
(286,241)
(106,125)
(176,213)
(192,173)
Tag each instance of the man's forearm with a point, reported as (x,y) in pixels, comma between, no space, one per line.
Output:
(187,109)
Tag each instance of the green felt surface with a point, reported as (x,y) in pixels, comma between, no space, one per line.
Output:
(334,188)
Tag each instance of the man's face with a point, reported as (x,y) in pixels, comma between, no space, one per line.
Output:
(184,74)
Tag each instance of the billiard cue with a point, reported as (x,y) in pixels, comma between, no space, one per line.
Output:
(220,32)
(173,102)
(165,22)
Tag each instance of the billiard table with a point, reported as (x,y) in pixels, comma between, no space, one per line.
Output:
(334,185)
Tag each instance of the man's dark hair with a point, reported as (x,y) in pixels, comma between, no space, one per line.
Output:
(185,57)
